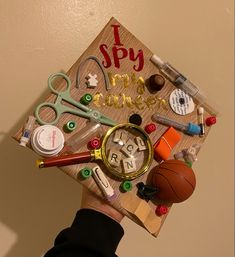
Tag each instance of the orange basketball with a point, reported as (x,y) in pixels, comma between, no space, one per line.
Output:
(174,179)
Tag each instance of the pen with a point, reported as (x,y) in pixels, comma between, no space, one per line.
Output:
(183,83)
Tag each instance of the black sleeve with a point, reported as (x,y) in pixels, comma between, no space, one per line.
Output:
(92,234)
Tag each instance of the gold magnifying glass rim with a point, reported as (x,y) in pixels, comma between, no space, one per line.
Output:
(134,174)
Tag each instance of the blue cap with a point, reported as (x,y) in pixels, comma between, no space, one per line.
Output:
(193,129)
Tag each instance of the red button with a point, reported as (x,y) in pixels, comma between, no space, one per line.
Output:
(161,210)
(210,120)
(150,128)
(94,143)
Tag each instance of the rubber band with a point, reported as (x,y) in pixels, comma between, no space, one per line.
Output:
(94,58)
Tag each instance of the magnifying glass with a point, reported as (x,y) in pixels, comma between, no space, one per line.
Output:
(126,151)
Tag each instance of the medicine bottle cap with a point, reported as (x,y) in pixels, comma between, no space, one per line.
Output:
(47,140)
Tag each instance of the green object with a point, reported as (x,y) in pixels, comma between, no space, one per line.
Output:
(70,126)
(190,164)
(60,108)
(126,186)
(86,99)
(85,173)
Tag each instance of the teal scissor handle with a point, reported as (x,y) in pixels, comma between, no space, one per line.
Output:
(59,74)
(65,94)
(60,108)
(51,106)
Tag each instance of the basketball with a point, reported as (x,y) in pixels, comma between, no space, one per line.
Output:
(175,181)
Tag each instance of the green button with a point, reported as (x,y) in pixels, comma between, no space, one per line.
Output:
(126,186)
(70,126)
(190,164)
(86,99)
(85,173)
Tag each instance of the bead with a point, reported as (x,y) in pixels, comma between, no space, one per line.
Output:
(135,119)
(210,120)
(85,173)
(94,143)
(161,210)
(156,82)
(126,186)
(70,126)
(149,128)
(86,99)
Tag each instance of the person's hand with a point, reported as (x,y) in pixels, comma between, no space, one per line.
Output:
(91,201)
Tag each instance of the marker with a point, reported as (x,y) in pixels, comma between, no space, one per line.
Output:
(200,112)
(102,182)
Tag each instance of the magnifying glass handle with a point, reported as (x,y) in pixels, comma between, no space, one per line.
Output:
(64,160)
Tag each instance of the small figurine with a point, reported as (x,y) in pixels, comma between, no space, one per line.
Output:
(146,192)
(91,81)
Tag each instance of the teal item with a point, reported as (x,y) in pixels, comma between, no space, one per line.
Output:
(59,108)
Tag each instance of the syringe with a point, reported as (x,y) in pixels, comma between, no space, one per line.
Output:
(183,83)
(190,128)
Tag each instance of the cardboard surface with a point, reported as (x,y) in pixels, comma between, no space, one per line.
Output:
(127,63)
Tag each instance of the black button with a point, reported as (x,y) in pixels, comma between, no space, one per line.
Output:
(135,119)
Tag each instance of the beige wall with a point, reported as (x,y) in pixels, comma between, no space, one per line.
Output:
(39,37)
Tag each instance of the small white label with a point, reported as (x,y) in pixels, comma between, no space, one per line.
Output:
(180,102)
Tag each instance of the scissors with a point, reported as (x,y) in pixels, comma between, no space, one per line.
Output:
(59,108)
